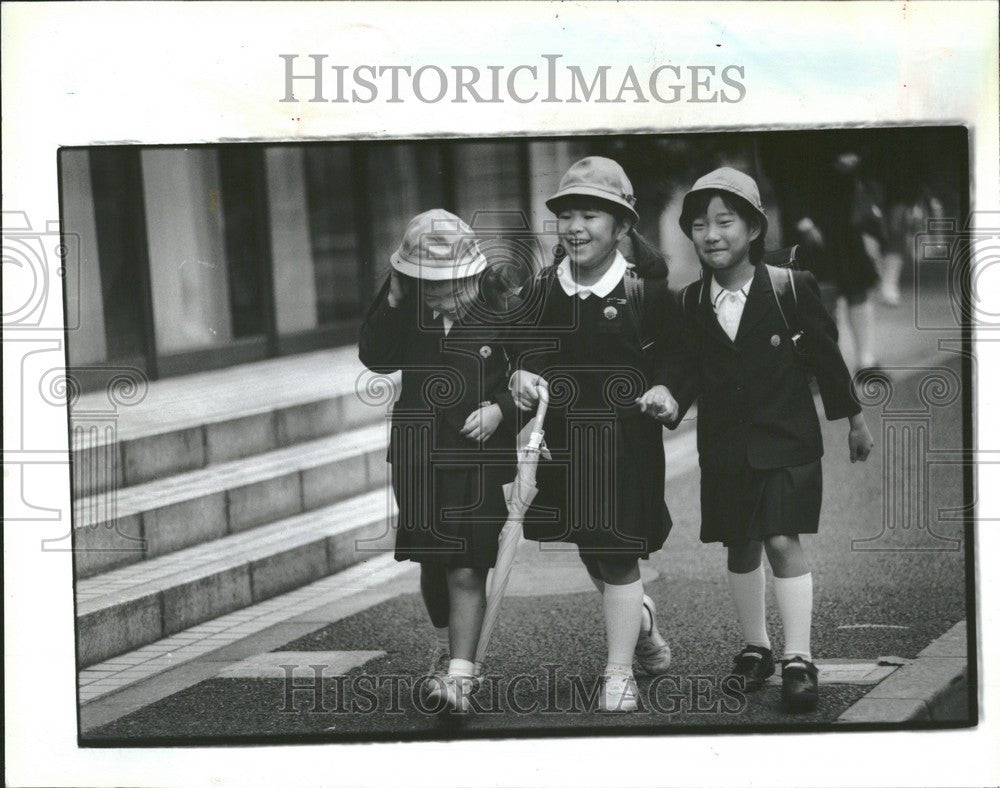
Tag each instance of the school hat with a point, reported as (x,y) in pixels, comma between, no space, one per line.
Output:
(596,176)
(438,246)
(725,179)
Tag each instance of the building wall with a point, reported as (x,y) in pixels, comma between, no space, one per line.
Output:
(187,255)
(88,341)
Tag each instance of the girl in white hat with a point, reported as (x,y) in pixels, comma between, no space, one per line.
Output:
(759,439)
(604,489)
(452,434)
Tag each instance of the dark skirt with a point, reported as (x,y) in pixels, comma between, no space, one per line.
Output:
(451,512)
(749,504)
(603,488)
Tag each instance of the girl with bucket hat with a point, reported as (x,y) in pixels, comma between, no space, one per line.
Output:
(603,489)
(452,433)
(759,440)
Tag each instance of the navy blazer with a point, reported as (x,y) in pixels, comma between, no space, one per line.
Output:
(755,404)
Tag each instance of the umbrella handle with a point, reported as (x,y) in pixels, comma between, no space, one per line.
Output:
(543,406)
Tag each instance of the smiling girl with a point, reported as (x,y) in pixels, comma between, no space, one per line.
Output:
(603,490)
(759,440)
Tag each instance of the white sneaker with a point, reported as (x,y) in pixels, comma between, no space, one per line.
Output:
(439,668)
(618,693)
(453,691)
(651,651)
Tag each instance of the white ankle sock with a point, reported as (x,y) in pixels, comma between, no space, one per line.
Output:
(461,667)
(441,636)
(747,591)
(794,598)
(622,619)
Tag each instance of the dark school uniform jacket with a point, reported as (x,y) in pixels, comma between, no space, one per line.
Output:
(755,405)
(444,378)
(661,363)
(603,487)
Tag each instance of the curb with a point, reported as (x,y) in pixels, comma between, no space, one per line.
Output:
(934,687)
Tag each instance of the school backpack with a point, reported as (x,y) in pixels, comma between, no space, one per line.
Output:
(780,263)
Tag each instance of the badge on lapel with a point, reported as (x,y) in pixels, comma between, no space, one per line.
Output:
(485,351)
(612,314)
(775,340)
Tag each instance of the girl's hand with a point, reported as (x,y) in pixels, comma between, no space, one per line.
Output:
(524,388)
(482,422)
(659,403)
(397,289)
(859,439)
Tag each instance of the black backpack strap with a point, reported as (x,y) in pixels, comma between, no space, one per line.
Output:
(783,285)
(689,300)
(785,297)
(792,261)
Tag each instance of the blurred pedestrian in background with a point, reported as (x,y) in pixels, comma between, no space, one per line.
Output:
(842,242)
(905,218)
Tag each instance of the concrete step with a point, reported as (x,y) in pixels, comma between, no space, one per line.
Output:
(141,431)
(124,609)
(145,521)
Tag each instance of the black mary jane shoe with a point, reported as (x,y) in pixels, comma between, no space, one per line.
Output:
(799,685)
(753,665)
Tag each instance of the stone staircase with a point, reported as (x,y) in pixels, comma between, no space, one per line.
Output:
(198,496)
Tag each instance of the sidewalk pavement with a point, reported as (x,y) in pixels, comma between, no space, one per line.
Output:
(878,611)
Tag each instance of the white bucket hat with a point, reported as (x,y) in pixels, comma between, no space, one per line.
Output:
(438,246)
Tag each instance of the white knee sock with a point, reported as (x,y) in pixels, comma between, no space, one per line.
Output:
(622,619)
(748,598)
(600,585)
(441,638)
(794,597)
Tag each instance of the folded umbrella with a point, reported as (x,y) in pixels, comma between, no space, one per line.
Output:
(518,494)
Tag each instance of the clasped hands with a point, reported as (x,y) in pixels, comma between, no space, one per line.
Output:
(658,403)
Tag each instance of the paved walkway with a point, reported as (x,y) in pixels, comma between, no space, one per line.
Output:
(369,616)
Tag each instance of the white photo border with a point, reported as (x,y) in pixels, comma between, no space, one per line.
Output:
(100,73)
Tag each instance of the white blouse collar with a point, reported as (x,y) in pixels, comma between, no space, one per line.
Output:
(602,287)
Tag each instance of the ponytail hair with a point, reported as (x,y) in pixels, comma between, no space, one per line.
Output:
(648,260)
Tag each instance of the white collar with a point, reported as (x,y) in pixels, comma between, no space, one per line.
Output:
(715,290)
(448,322)
(602,287)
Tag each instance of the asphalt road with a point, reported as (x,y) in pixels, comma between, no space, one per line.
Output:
(888,595)
(868,603)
